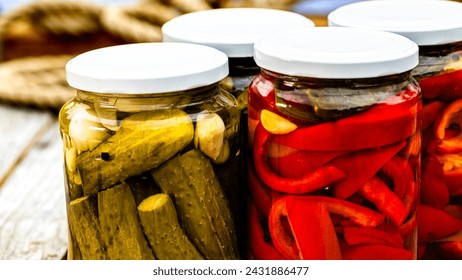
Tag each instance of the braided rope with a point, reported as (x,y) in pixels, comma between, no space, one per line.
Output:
(38,81)
(188,6)
(274,4)
(56,17)
(117,21)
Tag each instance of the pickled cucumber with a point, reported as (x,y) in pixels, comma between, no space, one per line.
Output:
(144,141)
(120,225)
(84,227)
(160,224)
(202,207)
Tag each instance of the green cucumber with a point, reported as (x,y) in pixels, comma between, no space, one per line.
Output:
(144,141)
(120,225)
(163,231)
(202,207)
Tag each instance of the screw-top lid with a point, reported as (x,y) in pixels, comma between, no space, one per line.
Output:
(336,53)
(424,22)
(231,30)
(146,68)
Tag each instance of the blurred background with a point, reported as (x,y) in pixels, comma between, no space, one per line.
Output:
(37,37)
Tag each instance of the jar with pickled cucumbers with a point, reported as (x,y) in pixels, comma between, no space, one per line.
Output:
(436,27)
(149,142)
(334,127)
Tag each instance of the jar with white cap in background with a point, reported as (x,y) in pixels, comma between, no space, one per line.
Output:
(234,32)
(145,139)
(436,27)
(334,127)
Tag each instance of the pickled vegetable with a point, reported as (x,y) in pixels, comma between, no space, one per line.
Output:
(201,204)
(120,225)
(144,141)
(160,224)
(85,227)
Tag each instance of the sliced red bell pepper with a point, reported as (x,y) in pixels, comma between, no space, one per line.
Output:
(446,86)
(262,94)
(450,250)
(409,228)
(259,241)
(385,235)
(454,210)
(361,166)
(390,122)
(452,169)
(261,195)
(358,214)
(433,190)
(376,191)
(430,111)
(434,224)
(448,128)
(313,181)
(300,163)
(303,230)
(376,252)
(405,185)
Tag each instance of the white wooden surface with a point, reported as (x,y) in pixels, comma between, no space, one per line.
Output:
(32,202)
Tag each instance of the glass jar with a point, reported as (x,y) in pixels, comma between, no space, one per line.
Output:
(334,139)
(234,32)
(148,141)
(436,27)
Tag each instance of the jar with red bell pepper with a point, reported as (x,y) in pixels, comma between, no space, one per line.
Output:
(334,134)
(436,27)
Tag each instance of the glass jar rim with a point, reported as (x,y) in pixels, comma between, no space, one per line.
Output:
(231,30)
(336,52)
(424,22)
(146,68)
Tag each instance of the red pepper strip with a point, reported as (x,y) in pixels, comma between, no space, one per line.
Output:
(430,111)
(313,181)
(450,119)
(434,224)
(376,252)
(428,143)
(388,235)
(447,86)
(454,210)
(450,250)
(452,169)
(358,214)
(261,195)
(409,227)
(299,163)
(405,187)
(378,126)
(361,166)
(311,230)
(376,191)
(259,241)
(433,190)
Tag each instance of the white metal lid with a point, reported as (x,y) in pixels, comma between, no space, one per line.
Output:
(146,68)
(336,53)
(424,22)
(231,30)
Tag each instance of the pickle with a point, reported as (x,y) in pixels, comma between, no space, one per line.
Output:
(142,186)
(144,141)
(120,225)
(201,204)
(85,228)
(163,231)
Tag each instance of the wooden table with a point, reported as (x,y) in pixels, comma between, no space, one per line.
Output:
(33,221)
